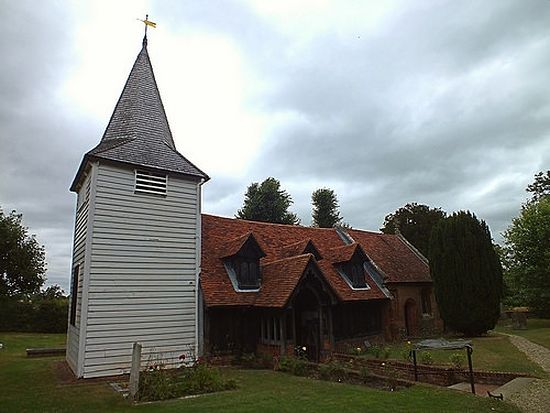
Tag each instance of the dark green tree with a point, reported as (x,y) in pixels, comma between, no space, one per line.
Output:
(22,259)
(325,211)
(415,222)
(467,274)
(267,202)
(528,257)
(540,188)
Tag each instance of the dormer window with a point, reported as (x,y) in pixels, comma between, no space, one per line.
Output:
(350,263)
(355,272)
(247,272)
(243,263)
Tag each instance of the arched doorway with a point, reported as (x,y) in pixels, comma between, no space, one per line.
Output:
(411,318)
(308,323)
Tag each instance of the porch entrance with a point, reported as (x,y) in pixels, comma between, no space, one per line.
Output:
(307,312)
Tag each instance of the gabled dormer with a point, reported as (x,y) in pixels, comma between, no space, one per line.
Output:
(242,263)
(305,246)
(350,264)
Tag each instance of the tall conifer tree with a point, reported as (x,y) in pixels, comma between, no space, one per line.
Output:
(325,212)
(467,274)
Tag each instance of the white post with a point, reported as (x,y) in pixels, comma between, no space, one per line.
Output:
(134,372)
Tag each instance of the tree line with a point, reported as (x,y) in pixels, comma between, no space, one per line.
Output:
(471,274)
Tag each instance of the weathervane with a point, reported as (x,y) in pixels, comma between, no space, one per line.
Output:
(147,22)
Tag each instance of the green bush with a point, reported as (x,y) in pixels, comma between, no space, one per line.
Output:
(386,352)
(294,365)
(426,358)
(332,370)
(376,351)
(457,360)
(156,384)
(406,354)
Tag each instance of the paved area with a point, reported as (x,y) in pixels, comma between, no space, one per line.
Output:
(535,397)
(538,354)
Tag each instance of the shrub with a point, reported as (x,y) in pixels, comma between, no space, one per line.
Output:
(155,384)
(332,370)
(376,351)
(457,360)
(294,365)
(426,358)
(386,352)
(202,378)
(406,354)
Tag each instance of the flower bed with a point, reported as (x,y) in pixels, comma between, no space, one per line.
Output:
(158,383)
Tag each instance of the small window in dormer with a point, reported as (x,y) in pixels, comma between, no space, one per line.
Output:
(355,274)
(247,272)
(151,183)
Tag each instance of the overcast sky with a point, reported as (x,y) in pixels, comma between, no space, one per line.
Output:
(445,103)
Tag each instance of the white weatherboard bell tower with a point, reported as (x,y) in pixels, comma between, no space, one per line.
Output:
(136,251)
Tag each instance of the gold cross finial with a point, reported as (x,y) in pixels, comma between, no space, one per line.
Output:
(147,22)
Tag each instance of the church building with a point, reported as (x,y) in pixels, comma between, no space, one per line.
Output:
(149,267)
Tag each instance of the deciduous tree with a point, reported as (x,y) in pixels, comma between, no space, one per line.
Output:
(267,202)
(540,188)
(325,212)
(467,274)
(415,222)
(22,259)
(528,257)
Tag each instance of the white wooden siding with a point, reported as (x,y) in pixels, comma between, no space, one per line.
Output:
(143,273)
(79,252)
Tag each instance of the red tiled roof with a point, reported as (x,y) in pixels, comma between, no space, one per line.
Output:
(396,259)
(276,289)
(282,272)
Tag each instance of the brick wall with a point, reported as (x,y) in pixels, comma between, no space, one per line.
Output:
(439,375)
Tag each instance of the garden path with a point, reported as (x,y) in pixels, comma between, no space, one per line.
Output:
(534,398)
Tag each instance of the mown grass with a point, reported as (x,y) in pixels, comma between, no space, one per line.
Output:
(538,331)
(493,352)
(31,385)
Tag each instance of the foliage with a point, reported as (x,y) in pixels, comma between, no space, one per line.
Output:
(294,365)
(44,312)
(22,259)
(158,383)
(415,222)
(528,257)
(333,370)
(386,351)
(426,358)
(376,351)
(540,188)
(267,202)
(467,274)
(325,211)
(457,360)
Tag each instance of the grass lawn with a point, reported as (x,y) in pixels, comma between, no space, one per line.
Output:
(31,385)
(538,331)
(493,352)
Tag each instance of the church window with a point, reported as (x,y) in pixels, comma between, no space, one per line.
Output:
(151,183)
(74,293)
